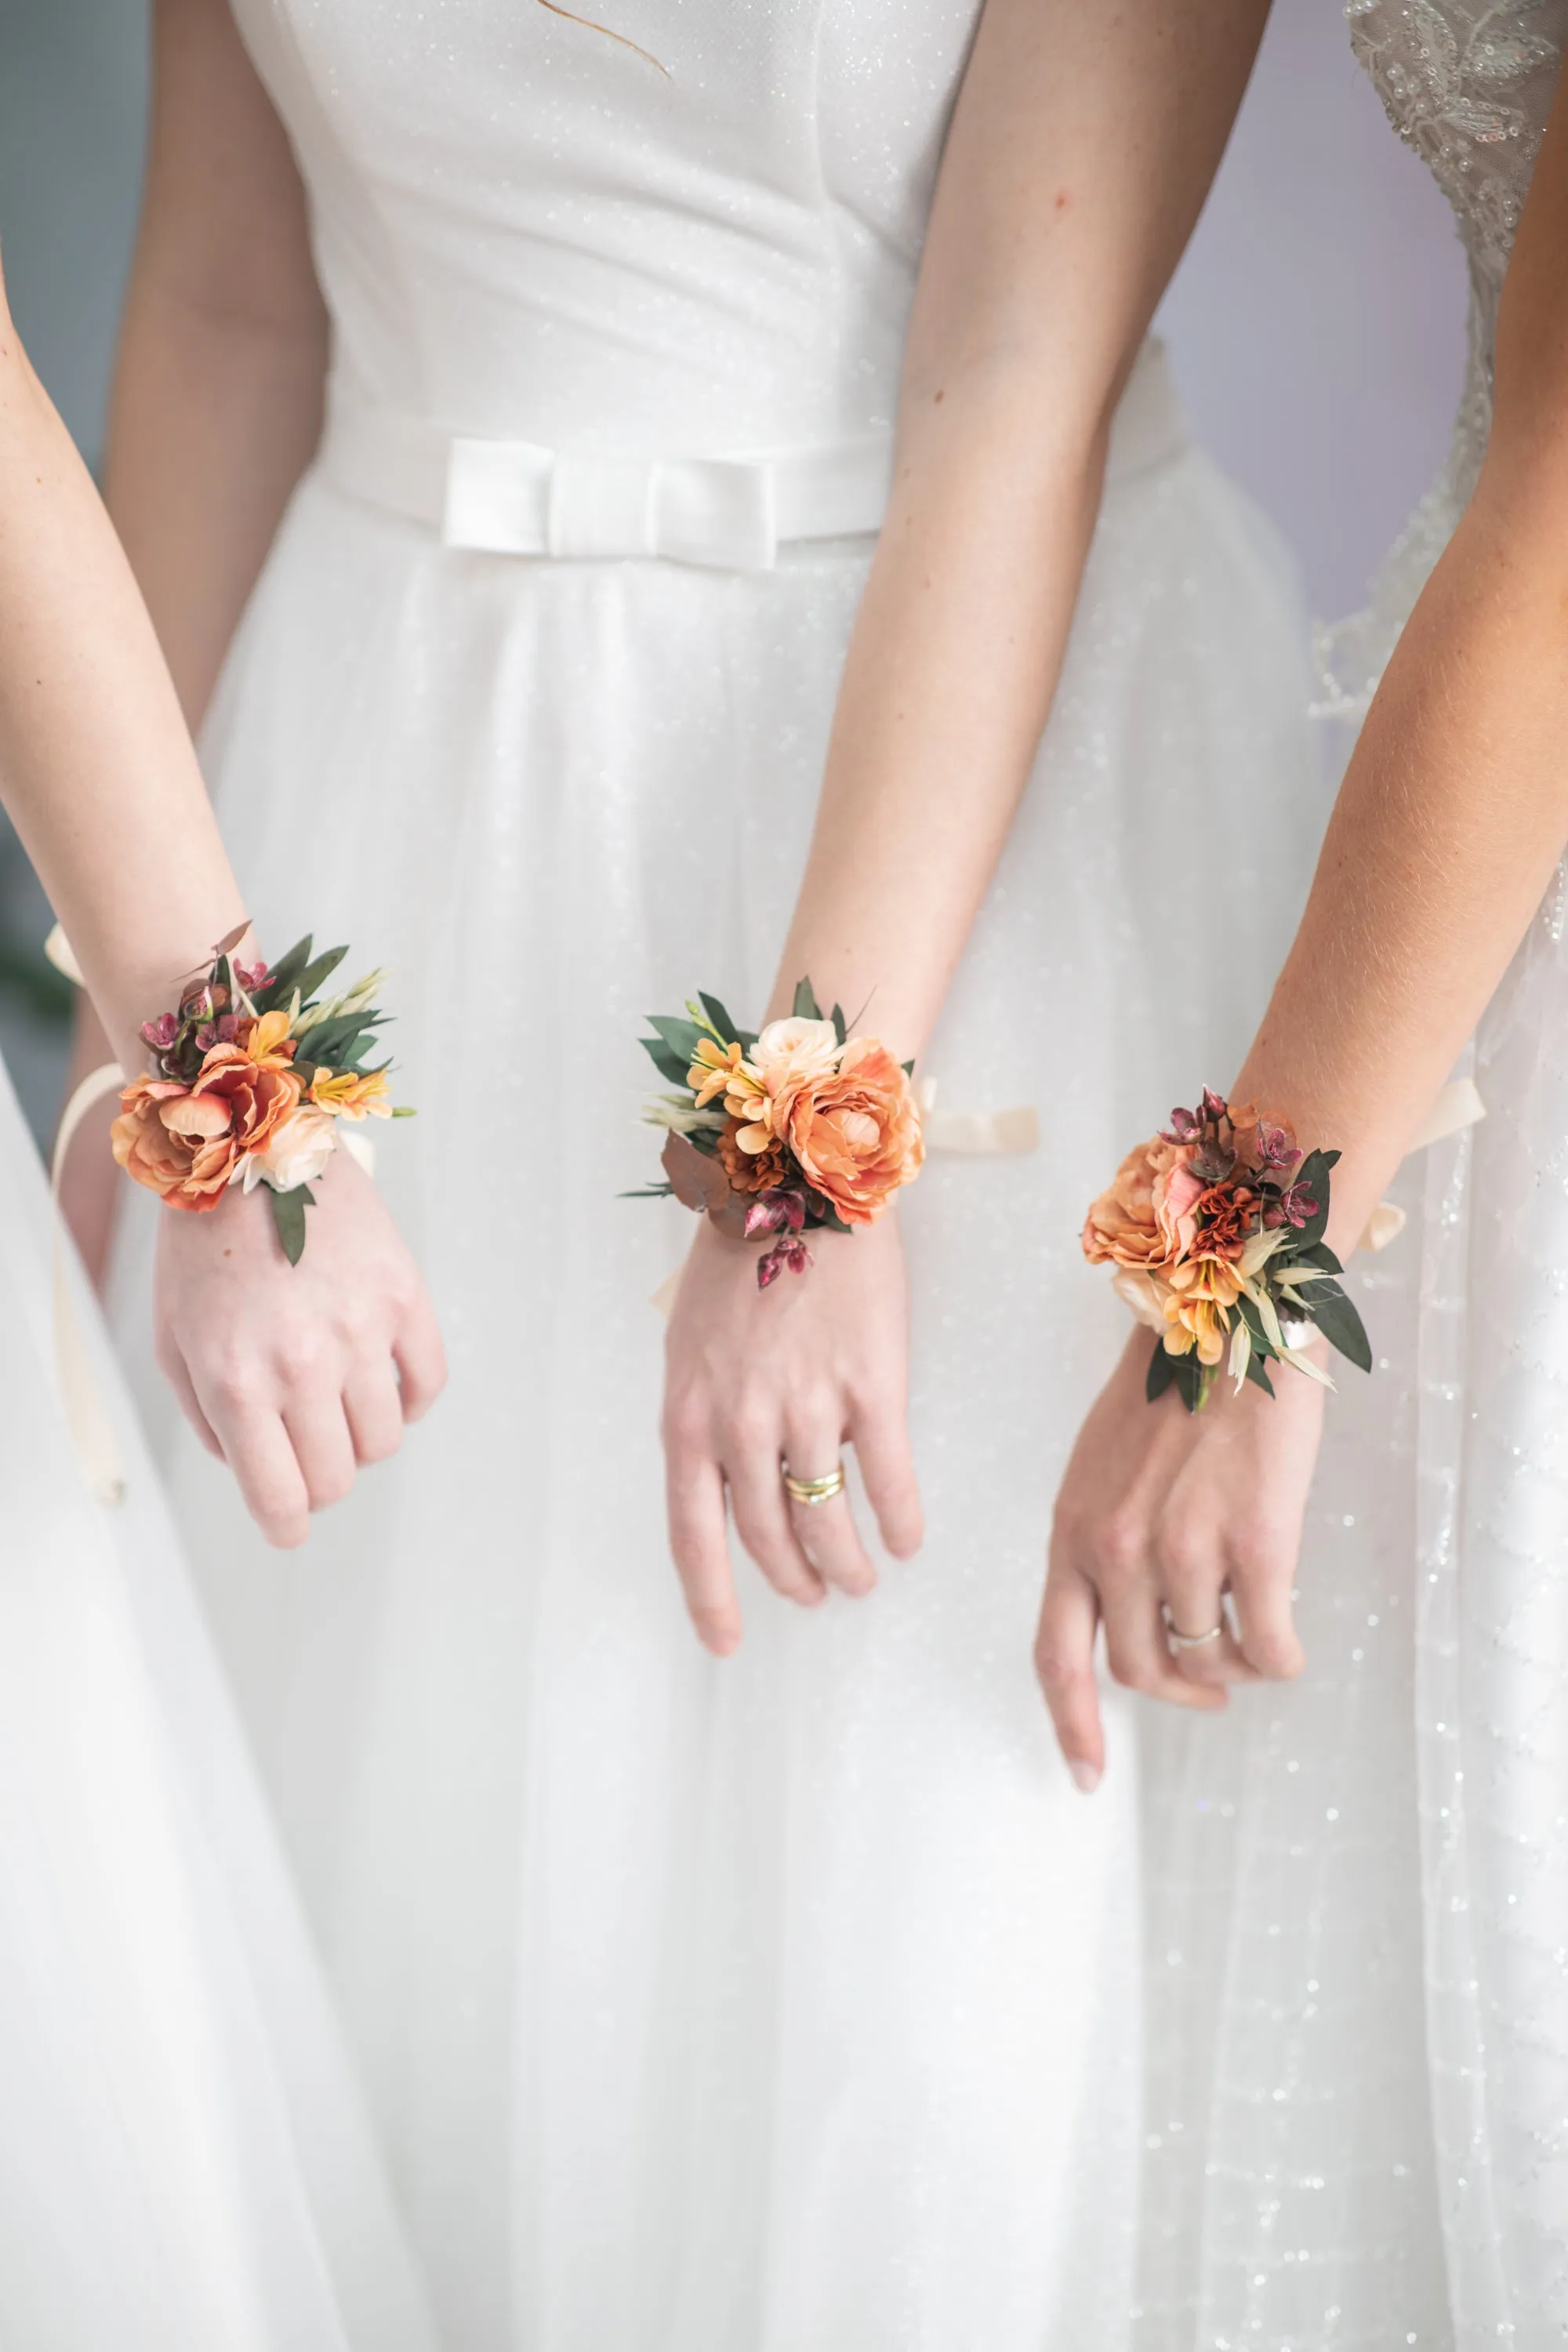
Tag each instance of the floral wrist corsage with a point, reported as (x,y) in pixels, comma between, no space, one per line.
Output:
(249,1078)
(800,1128)
(1215,1230)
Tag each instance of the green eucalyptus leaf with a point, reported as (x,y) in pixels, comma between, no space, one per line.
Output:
(718,1017)
(682,1037)
(1258,1376)
(1161,1374)
(807,1007)
(839,1031)
(309,981)
(289,1216)
(285,973)
(668,1065)
(1342,1328)
(1314,1173)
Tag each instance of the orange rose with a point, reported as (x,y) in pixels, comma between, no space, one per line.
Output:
(856,1132)
(185,1143)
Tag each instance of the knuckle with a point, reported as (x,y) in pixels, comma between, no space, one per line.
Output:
(751,1426)
(685,1420)
(299,1357)
(1057,1669)
(1119,1546)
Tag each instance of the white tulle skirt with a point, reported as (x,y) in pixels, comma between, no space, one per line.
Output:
(183,2163)
(790,2003)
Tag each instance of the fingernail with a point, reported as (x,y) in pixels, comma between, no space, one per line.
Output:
(1084,1776)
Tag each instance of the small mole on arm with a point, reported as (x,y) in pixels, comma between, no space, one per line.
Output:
(940,395)
(1063,200)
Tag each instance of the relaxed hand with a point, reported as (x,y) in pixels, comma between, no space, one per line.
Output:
(760,1379)
(296,1375)
(1161,1513)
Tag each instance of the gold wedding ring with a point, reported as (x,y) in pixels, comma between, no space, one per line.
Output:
(812,1491)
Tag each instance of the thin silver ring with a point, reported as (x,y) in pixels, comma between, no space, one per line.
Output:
(1180,1641)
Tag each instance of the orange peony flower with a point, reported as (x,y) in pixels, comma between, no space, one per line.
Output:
(351,1095)
(856,1132)
(186,1143)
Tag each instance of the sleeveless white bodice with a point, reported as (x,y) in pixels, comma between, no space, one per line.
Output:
(525,228)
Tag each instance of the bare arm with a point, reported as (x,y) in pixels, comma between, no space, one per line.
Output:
(1452,815)
(292,1380)
(1080,152)
(218,397)
(96,766)
(1455,808)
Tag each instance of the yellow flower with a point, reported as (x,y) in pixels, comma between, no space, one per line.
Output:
(713,1068)
(351,1094)
(263,1039)
(1197,1307)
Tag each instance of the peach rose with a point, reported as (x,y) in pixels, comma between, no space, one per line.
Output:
(795,1052)
(1144,1217)
(296,1151)
(856,1132)
(186,1143)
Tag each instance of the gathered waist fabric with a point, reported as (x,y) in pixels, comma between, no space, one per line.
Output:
(730,511)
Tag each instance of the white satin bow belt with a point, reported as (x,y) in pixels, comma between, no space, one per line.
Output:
(734,512)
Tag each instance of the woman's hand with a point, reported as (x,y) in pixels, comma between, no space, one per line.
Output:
(758,1379)
(295,1374)
(1163,1510)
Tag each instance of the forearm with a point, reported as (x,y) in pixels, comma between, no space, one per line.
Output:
(1451,821)
(1080,151)
(213,420)
(96,765)
(951,671)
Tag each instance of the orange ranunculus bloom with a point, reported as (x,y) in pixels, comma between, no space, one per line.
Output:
(185,1143)
(1229,1212)
(351,1094)
(856,1132)
(750,1170)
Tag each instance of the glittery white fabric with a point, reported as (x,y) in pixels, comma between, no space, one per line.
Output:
(184,2163)
(1331,2166)
(1470,86)
(788,2005)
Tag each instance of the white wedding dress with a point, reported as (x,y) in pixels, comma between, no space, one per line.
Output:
(789,2004)
(184,2163)
(1334,2162)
